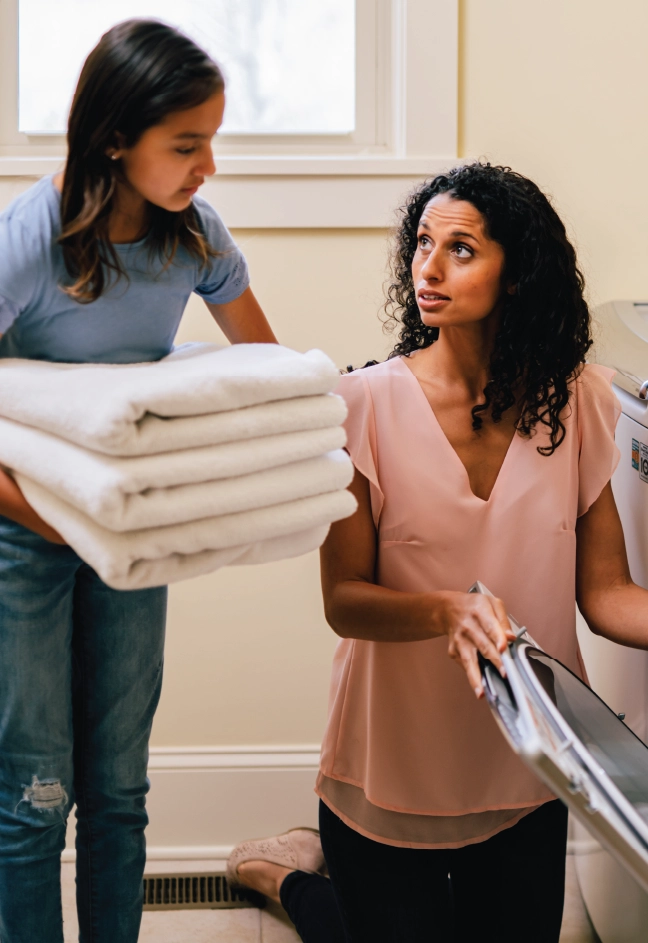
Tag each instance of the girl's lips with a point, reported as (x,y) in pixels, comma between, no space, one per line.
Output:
(190,190)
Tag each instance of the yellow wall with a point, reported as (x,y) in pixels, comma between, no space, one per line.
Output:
(248,652)
(558,89)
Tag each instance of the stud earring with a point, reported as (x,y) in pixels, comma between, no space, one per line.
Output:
(113,157)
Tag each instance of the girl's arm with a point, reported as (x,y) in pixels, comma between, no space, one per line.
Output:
(612,605)
(242,321)
(14,506)
(356,607)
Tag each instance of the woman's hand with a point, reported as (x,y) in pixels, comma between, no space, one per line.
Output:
(14,506)
(474,623)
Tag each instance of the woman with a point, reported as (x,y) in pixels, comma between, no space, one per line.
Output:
(96,265)
(484,449)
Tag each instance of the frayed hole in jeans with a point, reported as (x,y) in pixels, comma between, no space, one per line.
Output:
(45,794)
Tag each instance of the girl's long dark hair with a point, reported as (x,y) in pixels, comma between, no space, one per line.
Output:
(139,72)
(544,331)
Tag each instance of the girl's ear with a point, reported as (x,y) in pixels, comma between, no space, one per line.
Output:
(114,153)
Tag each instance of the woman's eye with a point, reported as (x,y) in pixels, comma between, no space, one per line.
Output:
(423,241)
(463,252)
(185,150)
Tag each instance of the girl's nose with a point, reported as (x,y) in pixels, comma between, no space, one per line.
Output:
(207,167)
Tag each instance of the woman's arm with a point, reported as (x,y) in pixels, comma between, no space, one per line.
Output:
(612,605)
(356,607)
(14,506)
(242,321)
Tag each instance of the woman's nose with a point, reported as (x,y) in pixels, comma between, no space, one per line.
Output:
(431,268)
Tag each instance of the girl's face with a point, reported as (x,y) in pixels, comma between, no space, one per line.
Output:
(457,269)
(171,160)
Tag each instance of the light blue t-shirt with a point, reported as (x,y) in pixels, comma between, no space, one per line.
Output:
(134,320)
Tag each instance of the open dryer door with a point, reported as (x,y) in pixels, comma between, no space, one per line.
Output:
(579,747)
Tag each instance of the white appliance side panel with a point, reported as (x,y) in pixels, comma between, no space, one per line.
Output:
(619,674)
(617,906)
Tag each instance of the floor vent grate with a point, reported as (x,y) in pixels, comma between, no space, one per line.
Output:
(206,891)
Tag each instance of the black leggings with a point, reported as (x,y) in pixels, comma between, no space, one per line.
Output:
(514,882)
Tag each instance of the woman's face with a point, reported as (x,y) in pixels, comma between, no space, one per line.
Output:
(457,269)
(171,160)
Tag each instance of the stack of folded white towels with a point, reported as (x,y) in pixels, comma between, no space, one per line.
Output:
(159,472)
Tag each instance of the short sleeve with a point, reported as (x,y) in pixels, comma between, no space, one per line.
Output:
(598,411)
(8,314)
(361,434)
(226,276)
(20,255)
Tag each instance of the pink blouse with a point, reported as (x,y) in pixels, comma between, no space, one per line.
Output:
(410,756)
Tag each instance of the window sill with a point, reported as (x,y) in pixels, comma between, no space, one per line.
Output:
(287,192)
(267,166)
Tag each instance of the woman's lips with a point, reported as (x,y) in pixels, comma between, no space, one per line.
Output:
(430,301)
(190,190)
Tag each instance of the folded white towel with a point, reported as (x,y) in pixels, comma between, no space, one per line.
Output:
(153,434)
(116,491)
(97,405)
(160,555)
(121,494)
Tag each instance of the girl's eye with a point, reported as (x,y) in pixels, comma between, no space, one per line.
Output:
(185,150)
(462,251)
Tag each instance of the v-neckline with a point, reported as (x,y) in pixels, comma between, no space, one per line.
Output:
(451,447)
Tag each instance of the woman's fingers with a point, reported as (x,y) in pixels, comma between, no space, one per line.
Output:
(485,641)
(490,635)
(478,624)
(467,655)
(506,634)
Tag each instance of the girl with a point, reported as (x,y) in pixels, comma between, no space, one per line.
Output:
(96,265)
(484,449)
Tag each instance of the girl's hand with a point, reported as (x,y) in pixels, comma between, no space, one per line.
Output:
(14,506)
(475,623)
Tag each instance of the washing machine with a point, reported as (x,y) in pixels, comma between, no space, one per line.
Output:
(617,906)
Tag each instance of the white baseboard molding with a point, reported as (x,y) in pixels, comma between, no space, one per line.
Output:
(205,800)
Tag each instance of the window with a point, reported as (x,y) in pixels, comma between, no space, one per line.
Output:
(335,108)
(290,65)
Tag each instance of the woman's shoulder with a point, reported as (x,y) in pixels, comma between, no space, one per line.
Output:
(373,370)
(593,385)
(361,385)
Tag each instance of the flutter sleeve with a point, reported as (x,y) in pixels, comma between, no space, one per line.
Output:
(361,434)
(598,413)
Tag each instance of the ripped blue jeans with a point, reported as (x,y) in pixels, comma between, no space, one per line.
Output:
(80,678)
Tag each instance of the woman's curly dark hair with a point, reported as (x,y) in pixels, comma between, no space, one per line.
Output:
(544,332)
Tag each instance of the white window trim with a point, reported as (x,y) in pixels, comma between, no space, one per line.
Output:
(361,189)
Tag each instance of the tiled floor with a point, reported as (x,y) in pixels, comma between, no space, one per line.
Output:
(271,925)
